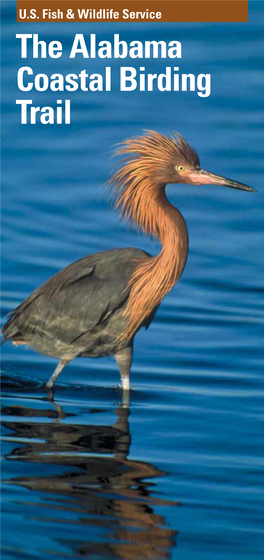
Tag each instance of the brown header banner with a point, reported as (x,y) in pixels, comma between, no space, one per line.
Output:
(36,11)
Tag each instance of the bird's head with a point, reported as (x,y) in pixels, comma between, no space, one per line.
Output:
(149,163)
(164,160)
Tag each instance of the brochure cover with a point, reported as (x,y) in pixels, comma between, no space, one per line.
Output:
(132,279)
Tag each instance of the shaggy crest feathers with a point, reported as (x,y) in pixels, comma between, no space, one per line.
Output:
(144,172)
(139,184)
(160,148)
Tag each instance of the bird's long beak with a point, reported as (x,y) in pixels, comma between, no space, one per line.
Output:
(202,177)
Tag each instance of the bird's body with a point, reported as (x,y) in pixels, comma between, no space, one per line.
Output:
(95,306)
(80,310)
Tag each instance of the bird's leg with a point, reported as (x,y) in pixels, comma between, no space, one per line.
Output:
(56,373)
(124,361)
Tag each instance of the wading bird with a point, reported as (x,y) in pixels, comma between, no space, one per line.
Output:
(95,306)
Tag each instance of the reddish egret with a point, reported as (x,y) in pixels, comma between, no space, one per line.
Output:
(95,306)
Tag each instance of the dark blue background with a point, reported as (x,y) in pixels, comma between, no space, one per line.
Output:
(197,406)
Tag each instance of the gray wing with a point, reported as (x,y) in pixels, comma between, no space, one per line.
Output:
(77,299)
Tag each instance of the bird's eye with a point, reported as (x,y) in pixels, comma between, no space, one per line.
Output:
(180,168)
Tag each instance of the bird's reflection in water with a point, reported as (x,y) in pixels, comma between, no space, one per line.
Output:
(106,502)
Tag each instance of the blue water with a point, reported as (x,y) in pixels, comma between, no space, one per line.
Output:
(178,474)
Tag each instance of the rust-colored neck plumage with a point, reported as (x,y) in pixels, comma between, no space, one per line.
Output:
(140,184)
